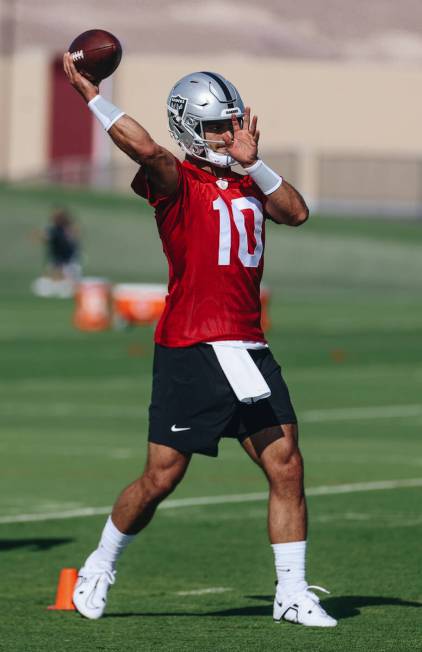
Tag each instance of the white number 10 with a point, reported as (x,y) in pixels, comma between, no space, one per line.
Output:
(238,205)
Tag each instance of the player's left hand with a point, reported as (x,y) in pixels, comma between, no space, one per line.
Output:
(242,145)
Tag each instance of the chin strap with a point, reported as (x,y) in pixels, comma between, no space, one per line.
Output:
(220,160)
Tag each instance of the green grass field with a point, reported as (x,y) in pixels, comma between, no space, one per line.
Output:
(347,329)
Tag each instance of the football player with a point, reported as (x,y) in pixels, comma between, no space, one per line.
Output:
(214,375)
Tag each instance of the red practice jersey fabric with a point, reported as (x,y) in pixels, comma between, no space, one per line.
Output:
(213,235)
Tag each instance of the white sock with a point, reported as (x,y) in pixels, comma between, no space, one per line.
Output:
(111,545)
(290,566)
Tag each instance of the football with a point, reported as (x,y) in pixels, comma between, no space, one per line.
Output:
(96,54)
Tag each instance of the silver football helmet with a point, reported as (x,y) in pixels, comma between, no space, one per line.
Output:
(196,99)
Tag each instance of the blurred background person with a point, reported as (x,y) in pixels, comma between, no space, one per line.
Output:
(61,238)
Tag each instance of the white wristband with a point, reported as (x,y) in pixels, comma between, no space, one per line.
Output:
(265,178)
(105,111)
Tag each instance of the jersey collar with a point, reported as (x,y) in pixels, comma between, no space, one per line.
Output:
(208,176)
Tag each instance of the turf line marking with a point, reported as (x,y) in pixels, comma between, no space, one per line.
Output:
(324,490)
(212,589)
(368,412)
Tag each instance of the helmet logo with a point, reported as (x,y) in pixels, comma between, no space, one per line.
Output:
(197,148)
(178,104)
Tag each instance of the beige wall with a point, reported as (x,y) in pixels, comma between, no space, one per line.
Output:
(330,106)
(4,130)
(24,112)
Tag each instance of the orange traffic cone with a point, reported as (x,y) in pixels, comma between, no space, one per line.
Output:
(67,581)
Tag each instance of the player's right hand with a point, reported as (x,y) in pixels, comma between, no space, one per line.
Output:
(81,84)
(242,145)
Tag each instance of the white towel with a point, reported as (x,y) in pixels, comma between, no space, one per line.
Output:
(246,380)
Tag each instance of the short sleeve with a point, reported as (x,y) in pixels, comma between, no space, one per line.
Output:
(141,186)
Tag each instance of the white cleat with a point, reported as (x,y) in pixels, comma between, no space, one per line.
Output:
(90,594)
(303,609)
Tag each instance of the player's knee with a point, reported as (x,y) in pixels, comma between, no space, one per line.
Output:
(158,484)
(286,470)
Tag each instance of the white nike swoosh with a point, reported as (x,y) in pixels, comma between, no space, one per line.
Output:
(175,429)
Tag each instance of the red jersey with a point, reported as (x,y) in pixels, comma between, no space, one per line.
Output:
(213,235)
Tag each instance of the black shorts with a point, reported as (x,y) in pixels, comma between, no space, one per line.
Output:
(193,404)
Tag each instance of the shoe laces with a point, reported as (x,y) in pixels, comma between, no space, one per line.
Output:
(306,597)
(102,570)
(310,600)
